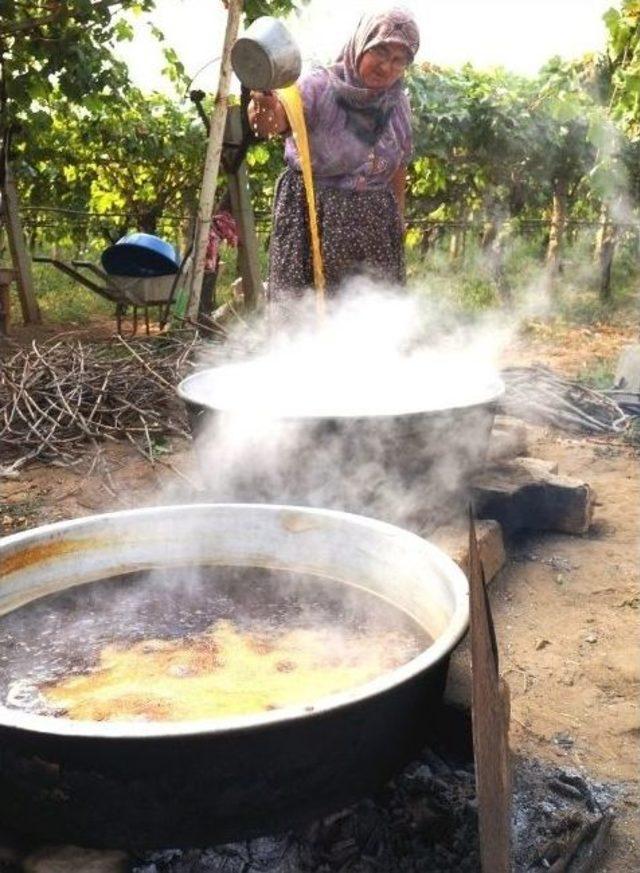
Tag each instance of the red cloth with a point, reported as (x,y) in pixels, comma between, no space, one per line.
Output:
(223,229)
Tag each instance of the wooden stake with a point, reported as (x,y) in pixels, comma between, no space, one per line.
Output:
(490,714)
(212,160)
(19,256)
(242,210)
(6,278)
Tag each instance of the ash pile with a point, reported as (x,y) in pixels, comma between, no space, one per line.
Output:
(425,821)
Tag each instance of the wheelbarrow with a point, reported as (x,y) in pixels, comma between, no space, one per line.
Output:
(140,271)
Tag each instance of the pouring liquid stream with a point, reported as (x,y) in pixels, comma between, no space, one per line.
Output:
(292,102)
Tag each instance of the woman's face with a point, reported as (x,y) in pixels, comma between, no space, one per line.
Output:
(383,65)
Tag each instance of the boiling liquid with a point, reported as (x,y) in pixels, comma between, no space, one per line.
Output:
(198,644)
(292,102)
(225,672)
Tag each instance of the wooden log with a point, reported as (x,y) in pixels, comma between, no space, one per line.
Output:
(593,835)
(528,494)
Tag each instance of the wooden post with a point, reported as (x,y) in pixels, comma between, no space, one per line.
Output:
(558,225)
(212,160)
(242,210)
(606,240)
(490,716)
(19,256)
(6,278)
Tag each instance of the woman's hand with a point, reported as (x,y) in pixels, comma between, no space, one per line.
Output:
(266,114)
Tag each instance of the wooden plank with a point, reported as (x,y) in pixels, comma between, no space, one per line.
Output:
(490,716)
(242,210)
(248,263)
(19,256)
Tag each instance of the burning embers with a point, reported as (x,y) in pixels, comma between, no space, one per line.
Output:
(225,672)
(189,645)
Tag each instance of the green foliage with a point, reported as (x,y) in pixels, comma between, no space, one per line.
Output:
(139,155)
(64,301)
(623,67)
(61,50)
(490,147)
(464,286)
(495,142)
(82,137)
(599,374)
(472,284)
(147,153)
(265,161)
(277,8)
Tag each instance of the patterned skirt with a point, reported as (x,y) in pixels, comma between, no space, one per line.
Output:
(360,233)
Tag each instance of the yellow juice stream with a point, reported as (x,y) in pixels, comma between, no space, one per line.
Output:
(292,102)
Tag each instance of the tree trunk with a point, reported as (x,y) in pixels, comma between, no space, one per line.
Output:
(606,262)
(489,233)
(497,253)
(425,241)
(455,243)
(602,231)
(466,224)
(606,241)
(187,229)
(557,228)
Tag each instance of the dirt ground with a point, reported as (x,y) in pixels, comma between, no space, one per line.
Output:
(567,608)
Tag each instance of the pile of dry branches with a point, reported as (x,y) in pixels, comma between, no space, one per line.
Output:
(541,396)
(59,400)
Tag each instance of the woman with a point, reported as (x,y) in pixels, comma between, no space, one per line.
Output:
(359,128)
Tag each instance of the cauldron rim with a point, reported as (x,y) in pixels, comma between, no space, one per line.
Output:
(494,390)
(441,647)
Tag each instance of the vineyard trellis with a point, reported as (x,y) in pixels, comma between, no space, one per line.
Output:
(496,155)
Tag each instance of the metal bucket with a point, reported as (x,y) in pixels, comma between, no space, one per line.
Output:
(141,784)
(266,56)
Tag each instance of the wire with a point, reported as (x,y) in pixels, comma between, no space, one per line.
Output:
(197,73)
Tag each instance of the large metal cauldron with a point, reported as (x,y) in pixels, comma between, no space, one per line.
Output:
(172,783)
(400,456)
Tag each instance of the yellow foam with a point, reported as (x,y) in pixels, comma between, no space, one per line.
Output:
(225,672)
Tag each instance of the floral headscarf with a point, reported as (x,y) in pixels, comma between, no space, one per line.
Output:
(369,109)
(396,25)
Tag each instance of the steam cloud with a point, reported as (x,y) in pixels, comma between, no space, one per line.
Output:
(375,409)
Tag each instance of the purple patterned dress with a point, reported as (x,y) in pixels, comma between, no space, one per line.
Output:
(360,225)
